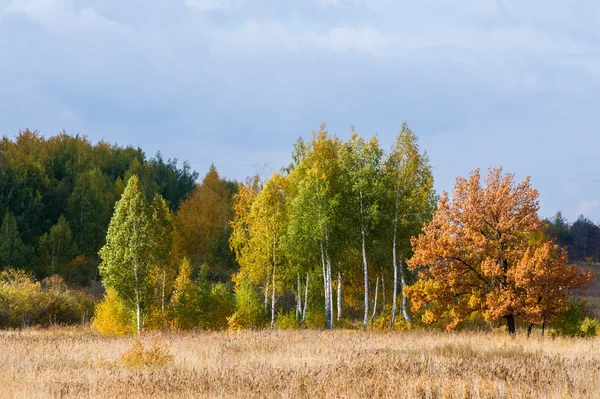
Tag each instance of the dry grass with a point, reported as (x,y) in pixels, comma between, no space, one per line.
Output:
(76,363)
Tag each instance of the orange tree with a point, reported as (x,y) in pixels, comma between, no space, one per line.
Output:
(484,251)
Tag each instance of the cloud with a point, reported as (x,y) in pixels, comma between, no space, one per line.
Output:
(56,15)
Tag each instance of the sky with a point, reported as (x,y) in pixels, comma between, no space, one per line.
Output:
(511,83)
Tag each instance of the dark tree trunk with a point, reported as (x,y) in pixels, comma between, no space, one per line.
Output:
(529,329)
(510,320)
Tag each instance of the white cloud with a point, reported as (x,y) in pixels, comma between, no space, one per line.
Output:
(57,15)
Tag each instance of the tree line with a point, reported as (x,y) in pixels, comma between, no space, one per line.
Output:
(349,234)
(57,196)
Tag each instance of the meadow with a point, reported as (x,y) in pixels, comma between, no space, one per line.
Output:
(77,363)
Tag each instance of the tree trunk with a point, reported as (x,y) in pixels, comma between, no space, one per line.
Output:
(330,288)
(339,297)
(529,329)
(543,328)
(163,290)
(510,321)
(366,278)
(395,284)
(273,300)
(267,285)
(299,300)
(403,282)
(305,300)
(383,291)
(326,289)
(375,302)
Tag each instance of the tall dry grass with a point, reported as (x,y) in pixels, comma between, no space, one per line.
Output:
(75,363)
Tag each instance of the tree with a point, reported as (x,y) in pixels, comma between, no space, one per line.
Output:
(362,167)
(163,271)
(56,248)
(315,209)
(200,221)
(13,253)
(262,255)
(130,250)
(482,253)
(409,204)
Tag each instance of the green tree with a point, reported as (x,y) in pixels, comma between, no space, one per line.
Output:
(315,209)
(410,202)
(362,168)
(13,253)
(130,250)
(56,248)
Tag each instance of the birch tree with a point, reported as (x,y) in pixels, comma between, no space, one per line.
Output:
(314,210)
(129,251)
(409,204)
(362,167)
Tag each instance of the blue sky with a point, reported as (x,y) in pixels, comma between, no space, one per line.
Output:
(512,83)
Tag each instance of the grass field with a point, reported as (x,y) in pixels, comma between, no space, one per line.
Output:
(74,362)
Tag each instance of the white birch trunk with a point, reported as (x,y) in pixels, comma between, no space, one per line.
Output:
(383,290)
(330,288)
(273,300)
(366,277)
(403,282)
(395,287)
(267,286)
(299,300)
(339,297)
(375,302)
(305,300)
(326,289)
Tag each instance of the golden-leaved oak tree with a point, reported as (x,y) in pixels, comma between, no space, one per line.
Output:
(482,252)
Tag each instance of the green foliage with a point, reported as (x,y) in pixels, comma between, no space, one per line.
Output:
(249,309)
(287,321)
(200,304)
(42,178)
(575,323)
(25,302)
(130,250)
(111,317)
(56,248)
(13,252)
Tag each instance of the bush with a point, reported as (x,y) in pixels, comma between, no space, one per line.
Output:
(112,318)
(200,303)
(138,357)
(575,323)
(25,302)
(315,319)
(249,310)
(287,321)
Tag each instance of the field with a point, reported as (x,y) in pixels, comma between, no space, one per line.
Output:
(76,363)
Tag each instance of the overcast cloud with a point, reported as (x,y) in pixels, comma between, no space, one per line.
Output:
(512,83)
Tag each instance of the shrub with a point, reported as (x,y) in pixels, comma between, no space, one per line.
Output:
(138,357)
(249,310)
(25,302)
(111,316)
(315,319)
(287,321)
(574,322)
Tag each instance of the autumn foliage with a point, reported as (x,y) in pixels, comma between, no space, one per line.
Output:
(484,251)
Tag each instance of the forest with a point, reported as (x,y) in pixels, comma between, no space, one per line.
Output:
(348,235)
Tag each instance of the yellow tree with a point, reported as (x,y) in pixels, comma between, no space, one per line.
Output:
(261,256)
(479,254)
(201,218)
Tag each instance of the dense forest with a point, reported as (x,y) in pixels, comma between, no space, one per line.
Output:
(325,240)
(57,197)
